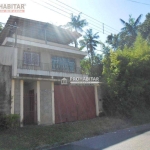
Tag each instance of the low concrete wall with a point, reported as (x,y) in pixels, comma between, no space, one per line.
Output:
(5,89)
(17,97)
(100,98)
(46,102)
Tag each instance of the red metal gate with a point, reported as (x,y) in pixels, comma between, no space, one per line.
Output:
(74,103)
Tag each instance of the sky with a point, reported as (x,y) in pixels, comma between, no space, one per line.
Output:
(108,12)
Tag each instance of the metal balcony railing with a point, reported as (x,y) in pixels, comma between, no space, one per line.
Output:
(48,67)
(40,66)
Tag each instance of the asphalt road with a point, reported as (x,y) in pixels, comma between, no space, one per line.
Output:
(135,138)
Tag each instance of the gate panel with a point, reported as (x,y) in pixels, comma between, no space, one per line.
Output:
(60,105)
(74,103)
(81,103)
(71,103)
(90,99)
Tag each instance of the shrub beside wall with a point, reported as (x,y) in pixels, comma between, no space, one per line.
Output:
(9,121)
(127,77)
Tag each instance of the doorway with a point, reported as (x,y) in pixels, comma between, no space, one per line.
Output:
(30,104)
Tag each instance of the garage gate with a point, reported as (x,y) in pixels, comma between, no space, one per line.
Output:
(74,103)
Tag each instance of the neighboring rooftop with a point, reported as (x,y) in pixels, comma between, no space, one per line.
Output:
(36,29)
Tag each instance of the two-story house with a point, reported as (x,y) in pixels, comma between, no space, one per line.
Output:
(40,57)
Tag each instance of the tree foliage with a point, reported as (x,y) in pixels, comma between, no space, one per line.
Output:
(94,70)
(113,40)
(127,73)
(90,42)
(131,27)
(127,35)
(76,24)
(144,28)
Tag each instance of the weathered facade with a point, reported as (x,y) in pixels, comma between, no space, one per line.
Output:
(40,56)
(5,89)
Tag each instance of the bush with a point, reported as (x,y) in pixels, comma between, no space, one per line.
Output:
(140,116)
(127,73)
(2,121)
(9,121)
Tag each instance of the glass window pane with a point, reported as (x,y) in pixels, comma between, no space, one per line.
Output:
(63,64)
(31,58)
(27,58)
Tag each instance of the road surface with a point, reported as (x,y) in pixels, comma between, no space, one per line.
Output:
(135,138)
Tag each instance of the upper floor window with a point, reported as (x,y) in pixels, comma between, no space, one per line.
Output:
(63,64)
(31,58)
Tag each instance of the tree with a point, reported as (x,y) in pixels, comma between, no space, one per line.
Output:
(97,67)
(85,66)
(76,24)
(131,27)
(126,73)
(105,49)
(129,32)
(127,35)
(94,70)
(144,28)
(90,42)
(113,40)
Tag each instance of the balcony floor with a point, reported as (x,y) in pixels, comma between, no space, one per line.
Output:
(49,73)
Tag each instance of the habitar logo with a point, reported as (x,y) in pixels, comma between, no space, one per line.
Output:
(84,80)
(63,81)
(12,6)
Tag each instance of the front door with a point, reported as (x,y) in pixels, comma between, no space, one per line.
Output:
(30,108)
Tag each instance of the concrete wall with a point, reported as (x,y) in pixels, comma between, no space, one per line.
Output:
(5,89)
(46,102)
(6,55)
(100,98)
(17,97)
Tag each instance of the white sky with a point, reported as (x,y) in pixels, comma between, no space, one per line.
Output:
(107,11)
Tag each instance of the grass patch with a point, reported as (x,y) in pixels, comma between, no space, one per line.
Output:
(30,137)
(140,116)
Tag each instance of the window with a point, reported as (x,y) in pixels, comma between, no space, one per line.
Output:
(63,64)
(30,58)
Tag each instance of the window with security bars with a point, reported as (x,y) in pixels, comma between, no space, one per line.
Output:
(63,64)
(30,58)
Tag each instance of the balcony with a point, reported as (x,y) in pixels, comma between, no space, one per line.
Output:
(50,46)
(46,69)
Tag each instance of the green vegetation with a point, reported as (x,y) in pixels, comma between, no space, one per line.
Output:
(144,28)
(90,42)
(127,35)
(9,121)
(34,136)
(127,73)
(125,62)
(95,69)
(76,24)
